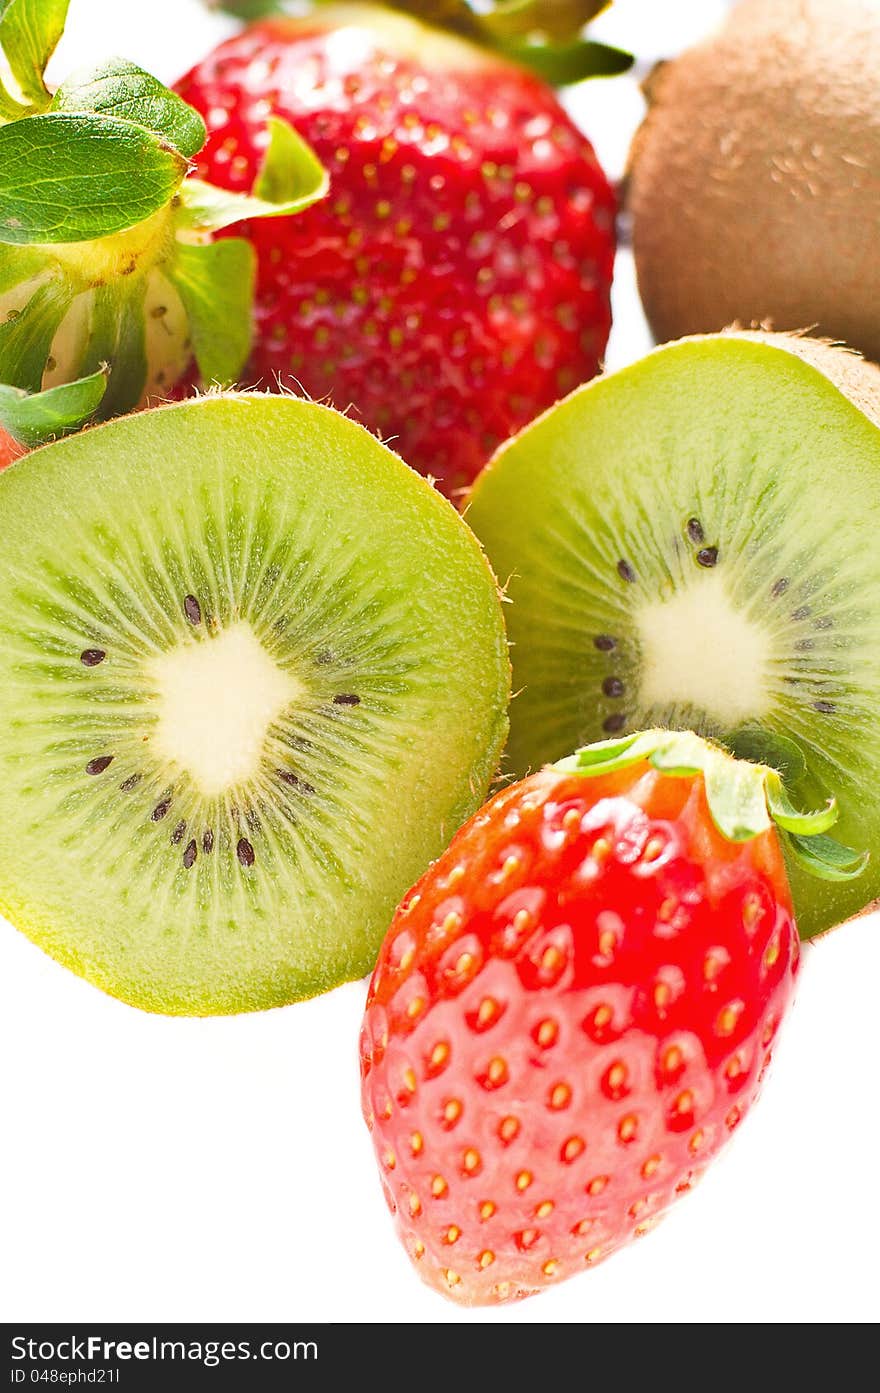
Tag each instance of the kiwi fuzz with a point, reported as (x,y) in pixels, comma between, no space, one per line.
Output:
(690,542)
(752,181)
(254,675)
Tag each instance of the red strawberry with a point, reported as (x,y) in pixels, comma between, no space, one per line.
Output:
(456,281)
(575,1006)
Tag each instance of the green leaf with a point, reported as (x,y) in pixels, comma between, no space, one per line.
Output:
(736,797)
(34,419)
(744,799)
(827,859)
(19,264)
(29,34)
(562,64)
(247,9)
(603,754)
(116,336)
(216,284)
(26,337)
(10,110)
(543,35)
(292,178)
(559,20)
(70,177)
(121,89)
(786,815)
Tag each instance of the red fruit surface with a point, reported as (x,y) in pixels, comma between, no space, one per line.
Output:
(456,280)
(9,449)
(570,1015)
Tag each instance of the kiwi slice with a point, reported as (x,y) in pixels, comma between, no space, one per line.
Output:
(692,542)
(253,675)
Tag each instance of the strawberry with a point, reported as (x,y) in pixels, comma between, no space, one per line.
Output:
(456,281)
(111,281)
(574,1008)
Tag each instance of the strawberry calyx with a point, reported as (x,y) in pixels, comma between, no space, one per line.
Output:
(546,36)
(110,278)
(744,798)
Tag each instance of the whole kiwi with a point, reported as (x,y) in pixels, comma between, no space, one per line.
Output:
(754,180)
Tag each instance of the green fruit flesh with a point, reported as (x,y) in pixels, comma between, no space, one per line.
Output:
(692,543)
(254,674)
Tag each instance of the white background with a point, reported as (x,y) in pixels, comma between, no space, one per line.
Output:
(162,1169)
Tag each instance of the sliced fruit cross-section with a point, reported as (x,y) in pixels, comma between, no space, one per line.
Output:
(254,674)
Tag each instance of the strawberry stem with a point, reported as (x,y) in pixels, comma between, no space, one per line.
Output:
(546,36)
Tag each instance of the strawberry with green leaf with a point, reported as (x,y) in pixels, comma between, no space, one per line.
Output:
(457,279)
(574,1008)
(111,277)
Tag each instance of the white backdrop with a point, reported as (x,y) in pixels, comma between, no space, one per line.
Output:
(173,1170)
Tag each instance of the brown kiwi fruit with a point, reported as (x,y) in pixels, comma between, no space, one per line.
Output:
(754,181)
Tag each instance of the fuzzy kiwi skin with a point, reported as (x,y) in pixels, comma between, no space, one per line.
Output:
(753,181)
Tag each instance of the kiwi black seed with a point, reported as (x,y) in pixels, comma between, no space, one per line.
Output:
(691,542)
(253,674)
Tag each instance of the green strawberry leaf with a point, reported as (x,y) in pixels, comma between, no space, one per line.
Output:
(216,284)
(736,796)
(121,89)
(786,815)
(72,177)
(744,798)
(29,34)
(19,264)
(26,337)
(562,64)
(116,337)
(827,859)
(10,109)
(559,20)
(34,418)
(604,755)
(248,9)
(292,177)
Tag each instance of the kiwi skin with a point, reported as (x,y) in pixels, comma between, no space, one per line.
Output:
(753,183)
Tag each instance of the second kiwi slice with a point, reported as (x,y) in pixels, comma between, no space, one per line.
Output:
(253,675)
(692,542)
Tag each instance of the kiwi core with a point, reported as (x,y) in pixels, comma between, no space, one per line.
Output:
(700,650)
(217,699)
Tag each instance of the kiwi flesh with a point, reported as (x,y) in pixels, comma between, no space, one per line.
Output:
(753,183)
(692,542)
(253,675)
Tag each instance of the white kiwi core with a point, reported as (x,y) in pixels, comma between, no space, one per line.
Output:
(699,650)
(217,699)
